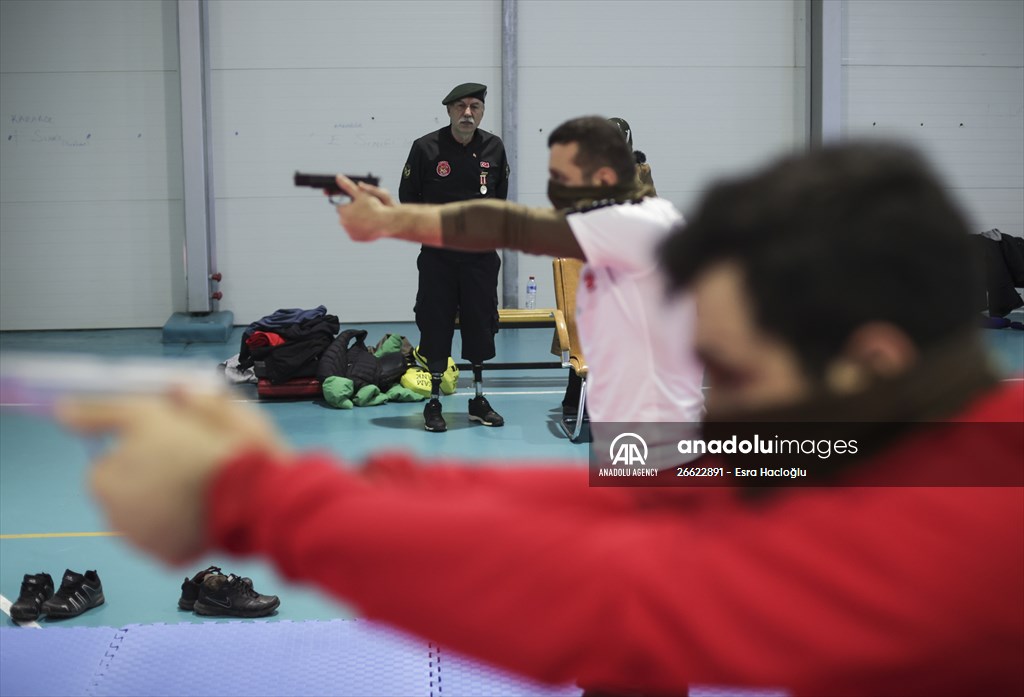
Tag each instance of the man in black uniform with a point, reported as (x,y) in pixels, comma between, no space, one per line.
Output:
(456,163)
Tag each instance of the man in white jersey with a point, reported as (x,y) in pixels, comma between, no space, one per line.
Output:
(635,337)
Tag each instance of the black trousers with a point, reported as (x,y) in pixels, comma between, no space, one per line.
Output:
(463,283)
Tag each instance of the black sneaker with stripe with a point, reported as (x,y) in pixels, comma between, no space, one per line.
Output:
(36,589)
(77,593)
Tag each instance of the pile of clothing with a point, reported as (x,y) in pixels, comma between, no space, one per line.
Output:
(287,344)
(353,375)
(299,353)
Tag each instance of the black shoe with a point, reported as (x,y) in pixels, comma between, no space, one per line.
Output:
(432,419)
(481,412)
(190,587)
(233,596)
(35,590)
(77,593)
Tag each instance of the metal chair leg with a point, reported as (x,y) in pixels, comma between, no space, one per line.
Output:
(580,413)
(575,431)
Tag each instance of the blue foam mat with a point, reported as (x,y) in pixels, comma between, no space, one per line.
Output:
(464,676)
(341,657)
(334,658)
(54,661)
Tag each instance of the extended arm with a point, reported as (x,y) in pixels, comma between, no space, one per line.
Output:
(468,226)
(803,595)
(484,225)
(834,591)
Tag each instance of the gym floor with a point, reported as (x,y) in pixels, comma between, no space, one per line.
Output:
(48,521)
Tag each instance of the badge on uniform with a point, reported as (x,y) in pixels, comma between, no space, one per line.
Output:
(443,168)
(483,183)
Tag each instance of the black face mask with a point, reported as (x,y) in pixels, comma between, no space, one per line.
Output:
(562,196)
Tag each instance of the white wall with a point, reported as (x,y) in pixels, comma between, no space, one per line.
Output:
(326,87)
(708,88)
(946,76)
(91,216)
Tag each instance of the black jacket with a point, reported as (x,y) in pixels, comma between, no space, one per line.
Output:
(441,170)
(348,357)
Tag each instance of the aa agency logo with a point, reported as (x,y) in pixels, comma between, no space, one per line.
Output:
(628,449)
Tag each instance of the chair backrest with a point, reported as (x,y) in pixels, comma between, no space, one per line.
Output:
(567,277)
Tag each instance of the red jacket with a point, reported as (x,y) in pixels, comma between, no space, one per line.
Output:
(837,591)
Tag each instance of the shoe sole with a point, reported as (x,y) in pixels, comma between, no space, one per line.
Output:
(215,611)
(185,605)
(59,615)
(480,420)
(25,618)
(426,427)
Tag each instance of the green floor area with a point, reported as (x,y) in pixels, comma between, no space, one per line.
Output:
(43,469)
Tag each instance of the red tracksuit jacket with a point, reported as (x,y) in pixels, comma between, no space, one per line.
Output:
(840,591)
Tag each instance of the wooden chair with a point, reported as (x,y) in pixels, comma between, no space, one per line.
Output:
(566,341)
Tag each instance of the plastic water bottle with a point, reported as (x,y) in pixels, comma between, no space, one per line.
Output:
(531,294)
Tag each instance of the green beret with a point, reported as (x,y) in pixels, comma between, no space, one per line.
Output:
(466,89)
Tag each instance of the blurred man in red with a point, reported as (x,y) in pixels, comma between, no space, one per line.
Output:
(852,589)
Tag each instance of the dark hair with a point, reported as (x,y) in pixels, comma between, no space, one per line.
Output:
(833,239)
(600,145)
